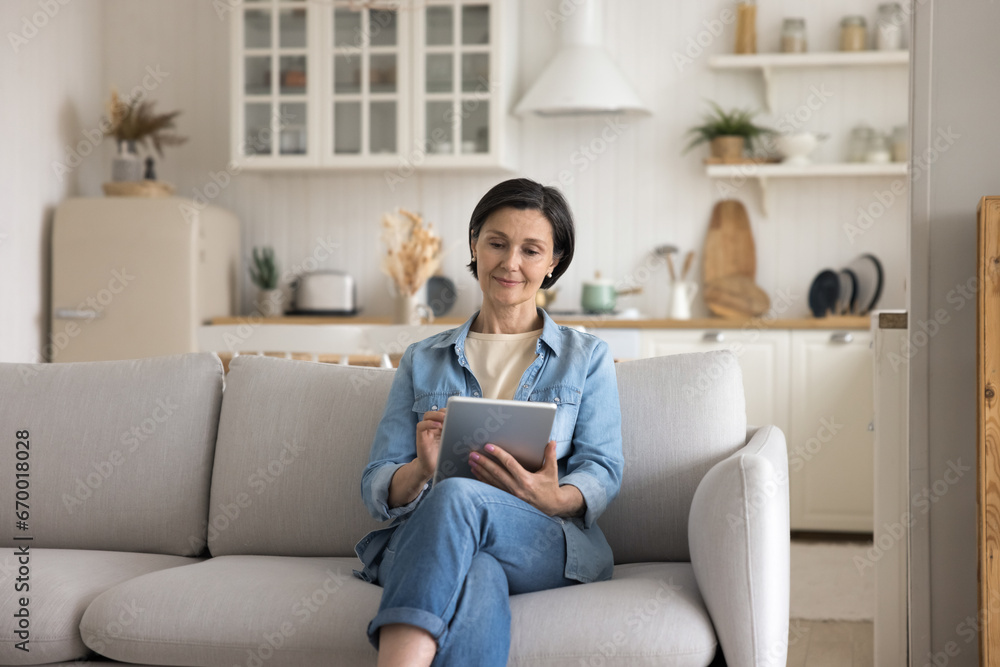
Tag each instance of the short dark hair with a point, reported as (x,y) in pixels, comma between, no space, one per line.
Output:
(525,194)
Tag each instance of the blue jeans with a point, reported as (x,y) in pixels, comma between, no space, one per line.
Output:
(450,568)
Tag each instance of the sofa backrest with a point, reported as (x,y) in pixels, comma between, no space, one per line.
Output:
(294,437)
(681,414)
(118,455)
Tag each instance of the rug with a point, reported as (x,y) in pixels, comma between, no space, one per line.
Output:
(827,584)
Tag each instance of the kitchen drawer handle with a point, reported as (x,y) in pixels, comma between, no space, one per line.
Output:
(841,337)
(73,314)
(713,337)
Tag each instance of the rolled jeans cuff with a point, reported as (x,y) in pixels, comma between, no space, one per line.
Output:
(418,617)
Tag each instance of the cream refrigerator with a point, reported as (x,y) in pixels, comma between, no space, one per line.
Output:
(134,277)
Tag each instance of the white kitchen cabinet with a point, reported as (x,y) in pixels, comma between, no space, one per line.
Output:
(365,101)
(398,85)
(816,386)
(831,441)
(624,344)
(465,64)
(763,358)
(274,93)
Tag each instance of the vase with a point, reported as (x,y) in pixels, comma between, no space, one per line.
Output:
(270,302)
(410,309)
(126,166)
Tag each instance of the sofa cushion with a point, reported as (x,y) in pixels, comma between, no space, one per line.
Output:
(300,612)
(237,610)
(681,414)
(294,437)
(648,614)
(109,443)
(62,582)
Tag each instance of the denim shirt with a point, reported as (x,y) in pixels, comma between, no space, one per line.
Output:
(573,369)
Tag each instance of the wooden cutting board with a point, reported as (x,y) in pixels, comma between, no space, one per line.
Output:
(736,297)
(729,246)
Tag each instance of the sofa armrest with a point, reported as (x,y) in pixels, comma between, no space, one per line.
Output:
(738,533)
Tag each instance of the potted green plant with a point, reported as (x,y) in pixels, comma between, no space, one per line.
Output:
(264,274)
(729,133)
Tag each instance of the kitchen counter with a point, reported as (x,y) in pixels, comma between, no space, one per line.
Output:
(847,322)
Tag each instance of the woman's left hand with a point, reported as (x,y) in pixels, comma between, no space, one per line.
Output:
(540,489)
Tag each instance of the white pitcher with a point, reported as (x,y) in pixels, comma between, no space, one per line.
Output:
(681,297)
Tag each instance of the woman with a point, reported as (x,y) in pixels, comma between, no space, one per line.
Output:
(453,555)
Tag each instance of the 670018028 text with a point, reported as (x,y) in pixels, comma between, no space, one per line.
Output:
(22,515)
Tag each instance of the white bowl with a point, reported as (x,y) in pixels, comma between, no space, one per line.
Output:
(795,148)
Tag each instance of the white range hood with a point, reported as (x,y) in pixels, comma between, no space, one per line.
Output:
(581,79)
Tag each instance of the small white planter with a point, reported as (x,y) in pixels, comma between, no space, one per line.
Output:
(270,302)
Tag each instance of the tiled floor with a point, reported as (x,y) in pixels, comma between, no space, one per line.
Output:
(830,644)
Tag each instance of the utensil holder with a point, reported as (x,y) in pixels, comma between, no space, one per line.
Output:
(682,295)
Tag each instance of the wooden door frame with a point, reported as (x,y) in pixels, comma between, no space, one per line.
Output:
(988,428)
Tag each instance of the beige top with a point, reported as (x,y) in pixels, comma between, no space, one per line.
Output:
(499,360)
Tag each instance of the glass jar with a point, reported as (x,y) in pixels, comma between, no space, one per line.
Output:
(878,149)
(857,148)
(853,33)
(900,144)
(746,27)
(889,27)
(793,36)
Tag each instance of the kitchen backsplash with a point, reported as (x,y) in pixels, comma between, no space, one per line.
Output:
(625,178)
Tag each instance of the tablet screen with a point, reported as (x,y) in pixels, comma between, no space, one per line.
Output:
(522,428)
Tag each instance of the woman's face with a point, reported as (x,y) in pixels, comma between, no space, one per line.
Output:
(513,255)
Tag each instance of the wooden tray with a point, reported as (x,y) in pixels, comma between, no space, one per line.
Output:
(138,189)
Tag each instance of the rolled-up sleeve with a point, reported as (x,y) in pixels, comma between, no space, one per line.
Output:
(393,446)
(595,462)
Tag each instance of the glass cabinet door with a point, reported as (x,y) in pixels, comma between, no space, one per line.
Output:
(275,85)
(457,41)
(371,83)
(366,60)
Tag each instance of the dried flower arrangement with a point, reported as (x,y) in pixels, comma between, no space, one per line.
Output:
(414,251)
(135,121)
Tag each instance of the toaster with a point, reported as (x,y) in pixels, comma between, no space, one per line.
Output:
(325,293)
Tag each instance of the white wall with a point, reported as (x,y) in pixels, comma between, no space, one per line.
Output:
(638,194)
(955,90)
(51,89)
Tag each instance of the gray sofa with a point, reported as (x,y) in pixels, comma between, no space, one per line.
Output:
(174,523)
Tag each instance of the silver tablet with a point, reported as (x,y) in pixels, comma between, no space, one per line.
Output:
(522,428)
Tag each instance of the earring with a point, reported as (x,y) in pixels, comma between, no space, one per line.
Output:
(550,274)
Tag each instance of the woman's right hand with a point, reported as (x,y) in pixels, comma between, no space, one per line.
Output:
(429,440)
